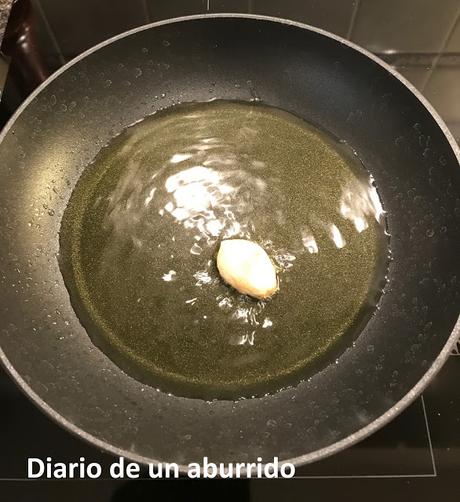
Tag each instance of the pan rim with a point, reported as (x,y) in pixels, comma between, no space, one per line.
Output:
(337,446)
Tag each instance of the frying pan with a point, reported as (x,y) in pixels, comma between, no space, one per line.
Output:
(318,76)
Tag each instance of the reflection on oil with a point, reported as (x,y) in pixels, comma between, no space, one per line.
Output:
(336,236)
(308,241)
(147,217)
(360,201)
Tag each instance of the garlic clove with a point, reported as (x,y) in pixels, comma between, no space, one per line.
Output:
(246,266)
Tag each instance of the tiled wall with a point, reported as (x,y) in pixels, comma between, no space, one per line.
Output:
(409,26)
(383,26)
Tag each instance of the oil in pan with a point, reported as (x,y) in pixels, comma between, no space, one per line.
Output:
(143,226)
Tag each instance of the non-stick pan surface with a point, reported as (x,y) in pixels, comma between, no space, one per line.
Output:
(313,74)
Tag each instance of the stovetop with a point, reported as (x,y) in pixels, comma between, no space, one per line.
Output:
(416,455)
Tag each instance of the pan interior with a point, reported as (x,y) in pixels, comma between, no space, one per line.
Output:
(140,234)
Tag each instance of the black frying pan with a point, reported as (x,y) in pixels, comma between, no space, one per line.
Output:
(318,76)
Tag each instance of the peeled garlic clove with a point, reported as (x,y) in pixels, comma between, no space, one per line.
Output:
(247,267)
